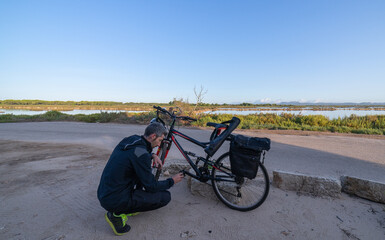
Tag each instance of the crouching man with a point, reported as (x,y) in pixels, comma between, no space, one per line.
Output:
(127,185)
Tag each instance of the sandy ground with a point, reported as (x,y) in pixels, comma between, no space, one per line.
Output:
(48,191)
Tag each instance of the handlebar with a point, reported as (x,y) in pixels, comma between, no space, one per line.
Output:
(187,118)
(162,110)
(172,115)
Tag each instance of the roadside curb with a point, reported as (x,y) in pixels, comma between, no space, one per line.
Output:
(315,186)
(330,187)
(371,190)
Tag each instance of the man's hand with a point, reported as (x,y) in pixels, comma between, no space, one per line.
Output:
(178,177)
(157,161)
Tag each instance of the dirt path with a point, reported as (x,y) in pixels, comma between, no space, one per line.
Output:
(48,191)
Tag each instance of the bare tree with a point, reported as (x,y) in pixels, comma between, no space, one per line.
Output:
(199,95)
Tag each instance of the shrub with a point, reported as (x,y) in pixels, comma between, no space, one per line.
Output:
(351,124)
(53,116)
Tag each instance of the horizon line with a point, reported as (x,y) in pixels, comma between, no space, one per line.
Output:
(258,102)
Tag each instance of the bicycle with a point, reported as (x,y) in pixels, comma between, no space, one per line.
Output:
(236,192)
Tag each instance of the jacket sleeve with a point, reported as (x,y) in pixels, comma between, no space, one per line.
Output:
(141,163)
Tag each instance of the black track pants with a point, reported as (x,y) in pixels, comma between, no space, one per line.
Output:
(143,201)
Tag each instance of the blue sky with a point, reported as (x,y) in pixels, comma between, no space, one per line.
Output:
(154,51)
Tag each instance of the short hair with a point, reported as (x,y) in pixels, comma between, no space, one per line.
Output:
(156,128)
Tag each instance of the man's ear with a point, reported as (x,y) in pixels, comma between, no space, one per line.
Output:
(152,136)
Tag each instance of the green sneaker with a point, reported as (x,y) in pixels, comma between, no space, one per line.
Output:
(118,223)
(133,214)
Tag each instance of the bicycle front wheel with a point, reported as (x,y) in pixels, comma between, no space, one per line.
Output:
(162,156)
(239,193)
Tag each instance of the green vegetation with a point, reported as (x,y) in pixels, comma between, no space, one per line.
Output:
(71,105)
(352,124)
(102,117)
(285,121)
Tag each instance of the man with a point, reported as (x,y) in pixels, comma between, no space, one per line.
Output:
(127,185)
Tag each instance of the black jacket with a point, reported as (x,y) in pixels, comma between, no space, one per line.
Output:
(129,167)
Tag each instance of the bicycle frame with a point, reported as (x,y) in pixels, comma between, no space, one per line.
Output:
(170,138)
(216,170)
(180,148)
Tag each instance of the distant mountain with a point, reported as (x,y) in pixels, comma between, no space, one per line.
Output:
(331,104)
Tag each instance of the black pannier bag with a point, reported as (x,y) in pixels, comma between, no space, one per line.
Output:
(245,153)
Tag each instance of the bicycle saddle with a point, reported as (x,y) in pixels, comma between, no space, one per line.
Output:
(216,125)
(216,143)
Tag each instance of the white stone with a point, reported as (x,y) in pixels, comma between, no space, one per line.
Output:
(166,173)
(174,168)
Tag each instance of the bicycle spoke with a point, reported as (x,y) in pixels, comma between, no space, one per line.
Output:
(239,193)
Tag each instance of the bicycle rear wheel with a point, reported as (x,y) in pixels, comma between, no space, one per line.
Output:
(239,193)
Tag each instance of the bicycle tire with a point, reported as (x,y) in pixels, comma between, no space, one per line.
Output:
(163,150)
(252,193)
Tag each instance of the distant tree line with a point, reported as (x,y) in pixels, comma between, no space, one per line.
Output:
(174,102)
(67,103)
(183,103)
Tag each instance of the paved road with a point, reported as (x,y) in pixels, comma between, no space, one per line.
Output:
(328,156)
(50,189)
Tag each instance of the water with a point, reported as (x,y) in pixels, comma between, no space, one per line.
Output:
(342,112)
(88,112)
(72,112)
(339,112)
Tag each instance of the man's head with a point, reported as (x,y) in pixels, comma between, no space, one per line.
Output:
(154,134)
